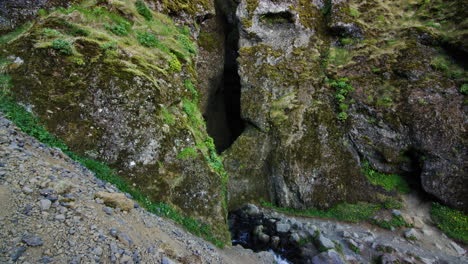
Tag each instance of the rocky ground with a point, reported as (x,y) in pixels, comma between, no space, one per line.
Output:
(315,240)
(53,210)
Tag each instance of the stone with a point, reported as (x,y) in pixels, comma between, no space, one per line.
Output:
(60,217)
(27,190)
(251,210)
(461,251)
(412,234)
(115,200)
(108,210)
(418,222)
(275,241)
(62,186)
(328,257)
(264,238)
(324,243)
(32,240)
(45,204)
(46,260)
(388,259)
(125,239)
(97,251)
(258,230)
(282,227)
(295,237)
(17,253)
(167,261)
(396,212)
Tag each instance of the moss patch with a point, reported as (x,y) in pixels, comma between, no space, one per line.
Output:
(453,222)
(390,182)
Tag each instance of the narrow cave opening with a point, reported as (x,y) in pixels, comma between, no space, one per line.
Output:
(223,115)
(412,171)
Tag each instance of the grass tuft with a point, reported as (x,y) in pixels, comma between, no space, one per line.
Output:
(389,182)
(63,46)
(143,10)
(454,223)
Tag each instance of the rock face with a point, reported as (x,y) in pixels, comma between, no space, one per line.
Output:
(15,12)
(119,85)
(404,111)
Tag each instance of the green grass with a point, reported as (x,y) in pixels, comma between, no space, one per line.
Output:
(187,153)
(389,182)
(464,89)
(168,118)
(148,40)
(454,223)
(63,46)
(354,12)
(30,125)
(143,10)
(343,88)
(396,221)
(359,212)
(5,81)
(15,34)
(346,212)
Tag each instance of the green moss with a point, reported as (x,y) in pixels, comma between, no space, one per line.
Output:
(464,89)
(389,182)
(251,6)
(148,40)
(15,34)
(118,30)
(343,88)
(143,10)
(308,12)
(347,212)
(453,222)
(445,65)
(209,40)
(187,44)
(51,32)
(385,102)
(354,249)
(174,63)
(395,222)
(354,12)
(63,46)
(187,153)
(339,56)
(168,118)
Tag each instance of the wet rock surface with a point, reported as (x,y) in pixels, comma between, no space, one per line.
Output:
(313,240)
(405,112)
(15,12)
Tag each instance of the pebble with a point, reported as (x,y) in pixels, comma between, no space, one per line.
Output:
(32,240)
(45,204)
(108,210)
(60,217)
(27,190)
(17,253)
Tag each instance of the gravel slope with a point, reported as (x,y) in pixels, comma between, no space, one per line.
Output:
(49,214)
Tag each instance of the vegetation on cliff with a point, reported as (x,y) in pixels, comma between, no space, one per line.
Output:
(126,57)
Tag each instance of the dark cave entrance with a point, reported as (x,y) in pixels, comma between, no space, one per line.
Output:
(223,116)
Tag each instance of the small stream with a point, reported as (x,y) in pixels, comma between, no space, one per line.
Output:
(250,231)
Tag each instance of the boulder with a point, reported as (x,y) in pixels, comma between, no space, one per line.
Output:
(115,200)
(328,257)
